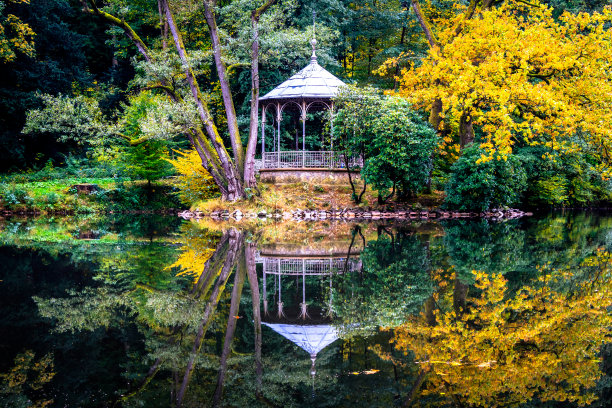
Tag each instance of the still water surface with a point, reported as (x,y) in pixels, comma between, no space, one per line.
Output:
(158,312)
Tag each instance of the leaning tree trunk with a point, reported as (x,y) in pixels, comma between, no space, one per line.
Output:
(226,92)
(234,189)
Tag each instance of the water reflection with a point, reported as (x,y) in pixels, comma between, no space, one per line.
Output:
(456,314)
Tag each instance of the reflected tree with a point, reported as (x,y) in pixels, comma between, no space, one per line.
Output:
(540,342)
(393,284)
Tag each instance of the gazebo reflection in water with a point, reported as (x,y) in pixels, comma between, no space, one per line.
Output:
(308,274)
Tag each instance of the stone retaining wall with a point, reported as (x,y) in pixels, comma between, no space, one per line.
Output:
(353,214)
(319,176)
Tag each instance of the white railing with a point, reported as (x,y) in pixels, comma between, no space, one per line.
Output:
(275,266)
(297,159)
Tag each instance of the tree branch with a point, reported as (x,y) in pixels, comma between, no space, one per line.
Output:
(142,48)
(424,22)
(226,93)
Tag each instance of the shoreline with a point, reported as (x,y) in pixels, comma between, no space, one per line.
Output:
(353,214)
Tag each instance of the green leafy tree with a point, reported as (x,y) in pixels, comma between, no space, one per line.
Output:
(147,160)
(395,142)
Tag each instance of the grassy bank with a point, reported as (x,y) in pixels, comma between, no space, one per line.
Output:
(287,197)
(65,195)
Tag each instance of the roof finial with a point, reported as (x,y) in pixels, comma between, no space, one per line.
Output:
(313,372)
(313,42)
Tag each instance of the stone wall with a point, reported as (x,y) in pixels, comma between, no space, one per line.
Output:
(319,176)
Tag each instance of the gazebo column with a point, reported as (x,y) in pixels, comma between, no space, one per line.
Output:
(303,134)
(331,136)
(263,134)
(278,121)
(280,299)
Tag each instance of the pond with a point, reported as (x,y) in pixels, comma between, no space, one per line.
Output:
(158,312)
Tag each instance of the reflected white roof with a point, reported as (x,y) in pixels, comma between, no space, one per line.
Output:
(312,82)
(311,338)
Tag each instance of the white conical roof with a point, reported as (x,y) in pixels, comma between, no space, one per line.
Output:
(311,338)
(312,82)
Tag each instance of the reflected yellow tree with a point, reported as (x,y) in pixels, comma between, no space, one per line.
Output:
(540,341)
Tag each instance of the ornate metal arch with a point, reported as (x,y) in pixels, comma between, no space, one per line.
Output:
(324,103)
(288,103)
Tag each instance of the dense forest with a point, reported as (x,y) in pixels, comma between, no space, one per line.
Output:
(510,99)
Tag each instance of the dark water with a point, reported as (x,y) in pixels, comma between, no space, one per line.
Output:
(155,312)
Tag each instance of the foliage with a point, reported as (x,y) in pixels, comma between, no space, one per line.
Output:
(395,142)
(477,185)
(521,77)
(549,334)
(485,246)
(26,375)
(15,35)
(193,181)
(392,286)
(77,119)
(80,119)
(145,160)
(400,150)
(70,55)
(561,180)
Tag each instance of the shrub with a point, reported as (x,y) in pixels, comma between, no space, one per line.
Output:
(552,190)
(51,198)
(194,182)
(571,178)
(482,186)
(15,195)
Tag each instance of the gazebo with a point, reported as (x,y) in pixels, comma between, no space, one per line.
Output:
(312,89)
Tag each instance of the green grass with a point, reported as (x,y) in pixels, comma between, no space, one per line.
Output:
(57,195)
(40,189)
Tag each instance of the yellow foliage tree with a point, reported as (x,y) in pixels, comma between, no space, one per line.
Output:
(518,75)
(194,182)
(15,35)
(541,341)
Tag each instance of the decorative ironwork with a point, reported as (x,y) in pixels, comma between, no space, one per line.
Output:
(308,159)
(309,267)
(311,89)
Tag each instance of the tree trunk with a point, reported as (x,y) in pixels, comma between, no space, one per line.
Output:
(229,331)
(163,25)
(255,298)
(460,297)
(234,189)
(466,131)
(235,242)
(249,164)
(226,92)
(431,39)
(434,115)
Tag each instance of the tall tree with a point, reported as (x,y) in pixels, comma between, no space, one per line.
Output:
(231,172)
(518,75)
